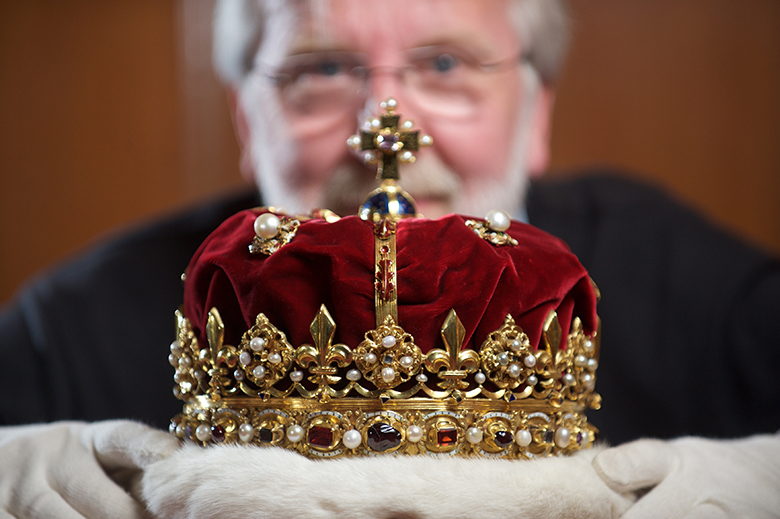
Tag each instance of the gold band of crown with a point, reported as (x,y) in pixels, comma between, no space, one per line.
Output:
(386,396)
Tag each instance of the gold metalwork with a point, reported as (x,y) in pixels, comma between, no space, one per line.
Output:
(385,288)
(457,364)
(311,386)
(497,238)
(320,357)
(287,229)
(388,140)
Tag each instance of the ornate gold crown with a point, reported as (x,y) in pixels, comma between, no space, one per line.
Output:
(508,399)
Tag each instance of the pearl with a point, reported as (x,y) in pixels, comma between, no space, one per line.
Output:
(352,439)
(375,123)
(406,361)
(200,374)
(480,378)
(353,141)
(173,360)
(246,432)
(531,380)
(388,342)
(568,379)
(592,364)
(177,391)
(514,370)
(172,428)
(257,344)
(588,345)
(580,361)
(503,359)
(295,433)
(530,361)
(274,358)
(422,377)
(389,104)
(267,225)
(523,437)
(407,157)
(369,158)
(498,220)
(474,435)
(515,345)
(245,358)
(185,362)
(353,375)
(426,140)
(180,431)
(388,374)
(259,372)
(407,124)
(296,376)
(414,433)
(238,375)
(370,358)
(562,437)
(203,432)
(176,348)
(587,379)
(585,439)
(177,376)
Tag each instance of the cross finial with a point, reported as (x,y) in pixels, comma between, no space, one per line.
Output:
(386,144)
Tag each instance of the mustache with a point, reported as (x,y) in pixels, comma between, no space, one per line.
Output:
(427,177)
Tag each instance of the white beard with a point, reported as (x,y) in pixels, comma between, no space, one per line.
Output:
(247,481)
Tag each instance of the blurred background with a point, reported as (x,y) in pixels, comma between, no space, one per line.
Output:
(110,113)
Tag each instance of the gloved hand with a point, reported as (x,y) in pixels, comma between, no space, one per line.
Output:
(70,470)
(696,478)
(238,481)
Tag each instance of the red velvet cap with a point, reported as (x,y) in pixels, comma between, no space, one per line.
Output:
(441,265)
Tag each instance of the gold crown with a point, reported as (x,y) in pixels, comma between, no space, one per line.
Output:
(508,399)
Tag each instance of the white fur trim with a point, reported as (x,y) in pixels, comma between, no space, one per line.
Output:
(227,481)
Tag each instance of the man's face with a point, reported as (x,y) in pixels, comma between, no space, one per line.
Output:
(427,54)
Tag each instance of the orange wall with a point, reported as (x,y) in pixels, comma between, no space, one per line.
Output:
(110,113)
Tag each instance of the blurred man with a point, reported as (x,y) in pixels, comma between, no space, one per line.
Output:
(688,311)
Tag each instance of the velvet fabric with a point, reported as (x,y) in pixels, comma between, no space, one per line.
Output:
(441,264)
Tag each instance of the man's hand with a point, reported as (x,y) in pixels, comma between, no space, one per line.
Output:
(695,478)
(70,470)
(235,481)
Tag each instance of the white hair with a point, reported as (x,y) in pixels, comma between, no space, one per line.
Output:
(543,27)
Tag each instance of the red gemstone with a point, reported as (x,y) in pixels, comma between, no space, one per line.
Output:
(381,437)
(503,439)
(446,437)
(320,436)
(217,433)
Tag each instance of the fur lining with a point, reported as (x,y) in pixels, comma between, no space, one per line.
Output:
(225,481)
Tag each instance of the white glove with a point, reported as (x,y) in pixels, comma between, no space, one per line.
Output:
(258,482)
(69,470)
(696,478)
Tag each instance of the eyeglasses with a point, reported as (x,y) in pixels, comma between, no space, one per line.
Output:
(446,81)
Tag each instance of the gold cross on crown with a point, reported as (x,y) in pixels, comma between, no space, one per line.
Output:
(386,143)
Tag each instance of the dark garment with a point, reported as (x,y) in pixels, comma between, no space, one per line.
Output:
(688,314)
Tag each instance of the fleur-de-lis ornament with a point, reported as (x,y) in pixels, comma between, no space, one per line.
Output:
(324,353)
(457,364)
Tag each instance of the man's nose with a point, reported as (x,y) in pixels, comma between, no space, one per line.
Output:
(385,83)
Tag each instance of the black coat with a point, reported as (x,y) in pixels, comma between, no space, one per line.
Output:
(689,343)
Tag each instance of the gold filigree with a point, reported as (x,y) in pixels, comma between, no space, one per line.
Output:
(265,356)
(505,354)
(287,229)
(551,394)
(388,356)
(497,238)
